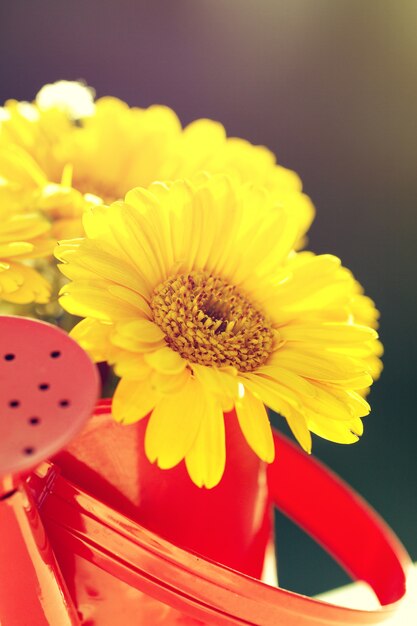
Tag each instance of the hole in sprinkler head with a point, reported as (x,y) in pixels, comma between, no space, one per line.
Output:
(9,356)
(14,403)
(55,354)
(43,386)
(28,451)
(64,403)
(34,421)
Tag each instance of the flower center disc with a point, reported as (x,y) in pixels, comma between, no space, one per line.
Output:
(209,322)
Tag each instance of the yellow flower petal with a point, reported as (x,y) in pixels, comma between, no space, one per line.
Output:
(10,278)
(22,227)
(128,365)
(254,422)
(133,400)
(339,432)
(174,424)
(105,265)
(298,425)
(168,383)
(17,165)
(309,282)
(206,459)
(166,361)
(92,299)
(94,336)
(293,382)
(15,248)
(323,367)
(320,397)
(138,335)
(131,297)
(21,284)
(327,333)
(136,237)
(220,382)
(270,391)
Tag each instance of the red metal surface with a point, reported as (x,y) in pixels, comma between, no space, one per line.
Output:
(338,518)
(32,589)
(230,524)
(97,546)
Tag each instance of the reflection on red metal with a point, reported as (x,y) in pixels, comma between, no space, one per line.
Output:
(32,589)
(122,573)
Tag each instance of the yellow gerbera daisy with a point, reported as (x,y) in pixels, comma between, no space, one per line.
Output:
(189,290)
(23,237)
(61,158)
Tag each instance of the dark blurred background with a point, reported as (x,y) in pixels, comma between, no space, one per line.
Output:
(331,88)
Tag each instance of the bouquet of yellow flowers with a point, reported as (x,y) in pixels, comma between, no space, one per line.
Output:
(176,258)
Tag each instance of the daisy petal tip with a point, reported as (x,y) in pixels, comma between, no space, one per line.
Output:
(124,420)
(208,482)
(270,456)
(151,456)
(198,482)
(307,446)
(150,451)
(162,464)
(211,484)
(205,478)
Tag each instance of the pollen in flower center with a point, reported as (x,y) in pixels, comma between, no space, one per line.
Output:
(209,322)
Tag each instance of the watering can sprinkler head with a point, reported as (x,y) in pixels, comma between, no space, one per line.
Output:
(48,389)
